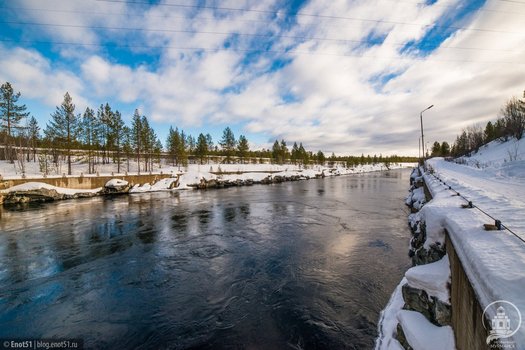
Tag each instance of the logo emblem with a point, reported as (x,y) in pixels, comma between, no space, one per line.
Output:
(505,321)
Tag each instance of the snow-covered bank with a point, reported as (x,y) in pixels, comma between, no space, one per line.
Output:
(33,170)
(195,176)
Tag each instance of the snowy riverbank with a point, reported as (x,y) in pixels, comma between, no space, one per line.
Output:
(194,177)
(493,260)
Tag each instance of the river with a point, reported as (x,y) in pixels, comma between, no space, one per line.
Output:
(297,265)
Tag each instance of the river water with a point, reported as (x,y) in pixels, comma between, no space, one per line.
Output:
(297,265)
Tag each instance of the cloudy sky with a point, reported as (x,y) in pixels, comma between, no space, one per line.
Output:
(348,77)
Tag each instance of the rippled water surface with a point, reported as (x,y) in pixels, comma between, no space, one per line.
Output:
(300,265)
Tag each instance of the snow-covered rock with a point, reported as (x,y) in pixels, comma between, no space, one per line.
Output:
(116,184)
(420,334)
(432,278)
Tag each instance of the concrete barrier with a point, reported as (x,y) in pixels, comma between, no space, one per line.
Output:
(467,313)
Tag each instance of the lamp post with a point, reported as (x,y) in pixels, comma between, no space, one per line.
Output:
(419,147)
(422,137)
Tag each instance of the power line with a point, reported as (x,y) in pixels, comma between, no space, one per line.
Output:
(135,2)
(269,36)
(297,52)
(240,19)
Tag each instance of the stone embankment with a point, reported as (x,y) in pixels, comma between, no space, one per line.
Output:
(427,287)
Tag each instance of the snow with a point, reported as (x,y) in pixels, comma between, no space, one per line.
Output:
(80,166)
(161,185)
(31,186)
(498,154)
(388,321)
(433,278)
(423,335)
(494,261)
(193,174)
(116,183)
(416,198)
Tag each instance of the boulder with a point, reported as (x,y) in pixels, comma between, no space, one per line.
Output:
(435,310)
(34,195)
(116,186)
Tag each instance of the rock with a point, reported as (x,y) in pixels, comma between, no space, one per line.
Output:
(435,310)
(277,179)
(35,195)
(116,186)
(401,338)
(267,180)
(442,312)
(416,300)
(174,184)
(426,256)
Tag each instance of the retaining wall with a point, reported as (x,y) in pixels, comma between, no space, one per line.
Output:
(467,313)
(86,182)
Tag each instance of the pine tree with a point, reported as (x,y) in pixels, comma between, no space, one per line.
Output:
(11,113)
(90,136)
(158,151)
(228,143)
(64,127)
(202,148)
(489,133)
(145,137)
(303,155)
(171,145)
(127,147)
(182,151)
(209,142)
(321,159)
(295,153)
(276,152)
(136,136)
(116,135)
(34,135)
(243,147)
(436,149)
(284,152)
(445,149)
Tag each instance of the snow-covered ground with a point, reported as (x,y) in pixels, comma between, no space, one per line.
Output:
(79,166)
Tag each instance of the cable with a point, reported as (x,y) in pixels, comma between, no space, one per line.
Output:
(270,36)
(135,2)
(297,52)
(478,208)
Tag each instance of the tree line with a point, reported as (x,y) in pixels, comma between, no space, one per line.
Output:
(102,137)
(510,123)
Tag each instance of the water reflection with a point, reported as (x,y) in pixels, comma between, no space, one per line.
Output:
(294,265)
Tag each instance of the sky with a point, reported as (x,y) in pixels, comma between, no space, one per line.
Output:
(348,77)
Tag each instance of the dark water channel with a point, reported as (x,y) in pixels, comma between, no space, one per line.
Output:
(302,265)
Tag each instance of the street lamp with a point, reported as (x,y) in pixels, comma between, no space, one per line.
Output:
(422,138)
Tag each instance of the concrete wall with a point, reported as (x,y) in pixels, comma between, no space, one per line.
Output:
(86,182)
(466,311)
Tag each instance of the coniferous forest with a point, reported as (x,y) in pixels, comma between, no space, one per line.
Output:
(101,136)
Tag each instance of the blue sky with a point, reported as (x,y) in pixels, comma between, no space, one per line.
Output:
(348,77)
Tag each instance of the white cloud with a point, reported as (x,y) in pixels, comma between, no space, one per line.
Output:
(32,74)
(329,95)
